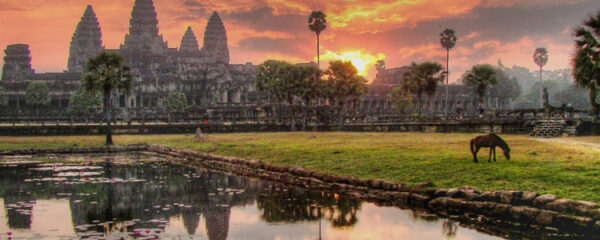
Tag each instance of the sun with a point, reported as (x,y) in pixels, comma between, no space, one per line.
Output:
(362,61)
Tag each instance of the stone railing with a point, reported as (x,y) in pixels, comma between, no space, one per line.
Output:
(183,128)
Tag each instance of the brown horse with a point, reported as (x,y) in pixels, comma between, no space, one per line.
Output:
(489,141)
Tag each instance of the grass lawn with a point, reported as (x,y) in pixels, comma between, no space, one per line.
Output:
(567,170)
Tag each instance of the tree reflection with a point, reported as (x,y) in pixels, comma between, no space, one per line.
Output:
(114,197)
(281,205)
(449,227)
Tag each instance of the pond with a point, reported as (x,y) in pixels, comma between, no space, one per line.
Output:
(141,197)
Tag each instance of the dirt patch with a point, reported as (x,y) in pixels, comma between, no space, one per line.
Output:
(571,142)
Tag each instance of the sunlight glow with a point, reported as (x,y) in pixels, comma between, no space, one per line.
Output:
(362,61)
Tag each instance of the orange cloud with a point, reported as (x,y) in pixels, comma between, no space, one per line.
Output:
(365,25)
(363,61)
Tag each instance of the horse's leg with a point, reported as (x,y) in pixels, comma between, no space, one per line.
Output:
(475,154)
(490,157)
(494,153)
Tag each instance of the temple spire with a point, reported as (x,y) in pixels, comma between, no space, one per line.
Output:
(215,41)
(17,63)
(189,43)
(143,28)
(86,41)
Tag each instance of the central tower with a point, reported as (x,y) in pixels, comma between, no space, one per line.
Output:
(86,41)
(143,29)
(215,41)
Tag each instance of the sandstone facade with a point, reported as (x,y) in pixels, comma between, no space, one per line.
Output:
(86,41)
(205,76)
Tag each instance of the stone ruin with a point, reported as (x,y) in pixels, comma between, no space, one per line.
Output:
(204,74)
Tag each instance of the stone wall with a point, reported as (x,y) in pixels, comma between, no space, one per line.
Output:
(505,127)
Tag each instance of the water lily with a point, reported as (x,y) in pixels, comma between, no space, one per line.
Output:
(9,233)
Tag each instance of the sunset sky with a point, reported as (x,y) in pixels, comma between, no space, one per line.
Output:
(400,31)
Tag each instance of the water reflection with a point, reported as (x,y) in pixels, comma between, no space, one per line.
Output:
(146,200)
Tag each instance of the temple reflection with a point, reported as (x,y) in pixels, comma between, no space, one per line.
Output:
(111,197)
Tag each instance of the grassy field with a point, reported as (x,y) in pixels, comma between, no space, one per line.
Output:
(555,167)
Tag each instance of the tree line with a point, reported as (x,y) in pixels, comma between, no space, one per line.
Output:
(308,86)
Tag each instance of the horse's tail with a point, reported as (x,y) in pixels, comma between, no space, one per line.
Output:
(472,146)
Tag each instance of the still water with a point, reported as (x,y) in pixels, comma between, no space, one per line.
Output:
(139,197)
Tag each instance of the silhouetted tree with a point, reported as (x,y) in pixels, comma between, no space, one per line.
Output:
(282,81)
(317,23)
(422,79)
(84,103)
(448,41)
(401,99)
(310,84)
(105,73)
(481,77)
(37,96)
(507,86)
(174,102)
(3,97)
(344,83)
(540,57)
(586,63)
(268,81)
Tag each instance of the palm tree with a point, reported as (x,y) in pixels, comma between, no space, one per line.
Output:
(481,77)
(345,84)
(540,57)
(317,23)
(37,96)
(309,88)
(104,73)
(586,69)
(448,41)
(422,79)
(412,83)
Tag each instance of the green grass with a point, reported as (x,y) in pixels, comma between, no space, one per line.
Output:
(567,170)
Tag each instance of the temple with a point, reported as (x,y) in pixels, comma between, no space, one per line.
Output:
(203,74)
(460,97)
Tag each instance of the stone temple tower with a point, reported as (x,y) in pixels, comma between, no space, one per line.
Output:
(143,29)
(189,43)
(215,41)
(86,41)
(17,63)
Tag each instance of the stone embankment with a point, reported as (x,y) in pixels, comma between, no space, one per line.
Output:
(516,208)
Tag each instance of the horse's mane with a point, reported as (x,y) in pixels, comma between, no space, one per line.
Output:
(501,141)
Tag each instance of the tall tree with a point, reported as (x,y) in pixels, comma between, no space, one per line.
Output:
(106,73)
(37,96)
(3,97)
(448,41)
(413,84)
(401,100)
(432,74)
(84,104)
(481,77)
(586,63)
(317,23)
(507,86)
(310,84)
(282,81)
(268,81)
(540,57)
(175,101)
(422,79)
(345,83)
